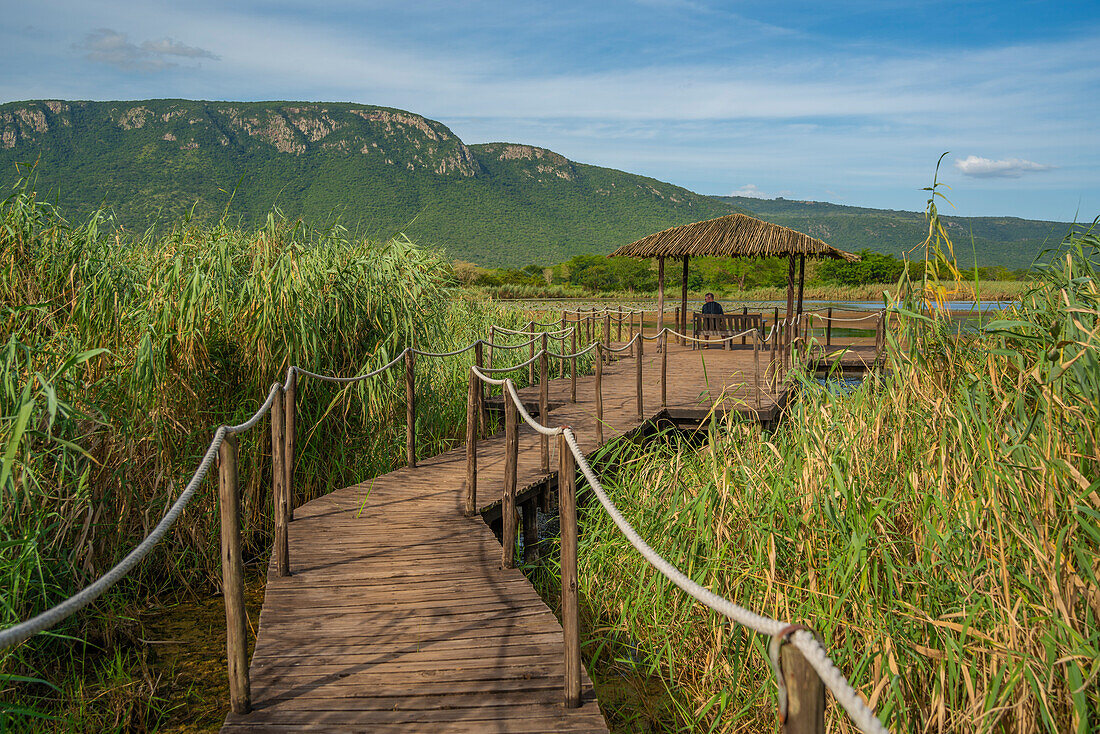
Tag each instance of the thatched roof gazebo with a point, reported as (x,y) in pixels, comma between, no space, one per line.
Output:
(734,235)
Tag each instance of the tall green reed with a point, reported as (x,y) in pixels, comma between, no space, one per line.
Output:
(937,527)
(122,355)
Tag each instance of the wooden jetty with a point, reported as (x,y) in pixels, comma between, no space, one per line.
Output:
(398,615)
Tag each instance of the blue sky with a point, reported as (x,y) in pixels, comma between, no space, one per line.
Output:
(850,102)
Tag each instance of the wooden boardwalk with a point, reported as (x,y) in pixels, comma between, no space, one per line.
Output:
(398,615)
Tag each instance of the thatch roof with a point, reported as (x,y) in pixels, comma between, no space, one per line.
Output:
(734,235)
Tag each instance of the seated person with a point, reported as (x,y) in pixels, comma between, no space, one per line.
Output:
(710,305)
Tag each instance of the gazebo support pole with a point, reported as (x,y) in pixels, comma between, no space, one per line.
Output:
(684,299)
(790,300)
(801,280)
(660,296)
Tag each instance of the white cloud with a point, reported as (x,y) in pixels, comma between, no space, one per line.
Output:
(751,191)
(979,167)
(113,48)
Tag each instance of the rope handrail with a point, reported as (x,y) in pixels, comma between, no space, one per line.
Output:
(527,343)
(357,378)
(811,648)
(526,332)
(24,630)
(452,353)
(623,348)
(814,652)
(514,367)
(872,315)
(581,353)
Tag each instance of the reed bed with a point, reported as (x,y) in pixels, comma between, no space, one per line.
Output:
(121,356)
(938,527)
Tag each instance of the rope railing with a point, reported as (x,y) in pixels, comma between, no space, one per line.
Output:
(280,403)
(812,650)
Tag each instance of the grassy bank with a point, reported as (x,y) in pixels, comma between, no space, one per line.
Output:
(986,290)
(938,527)
(120,358)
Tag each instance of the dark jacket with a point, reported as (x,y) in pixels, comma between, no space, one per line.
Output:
(712,307)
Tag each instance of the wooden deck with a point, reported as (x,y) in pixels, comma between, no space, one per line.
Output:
(398,615)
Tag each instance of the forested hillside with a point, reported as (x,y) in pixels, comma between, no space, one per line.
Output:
(379,171)
(1006,241)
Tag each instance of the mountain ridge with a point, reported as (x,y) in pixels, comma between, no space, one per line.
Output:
(384,170)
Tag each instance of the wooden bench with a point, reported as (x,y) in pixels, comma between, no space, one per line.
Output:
(724,325)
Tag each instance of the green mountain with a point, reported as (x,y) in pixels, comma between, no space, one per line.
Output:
(379,171)
(1007,241)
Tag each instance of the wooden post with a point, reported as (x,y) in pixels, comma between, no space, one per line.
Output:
(756,369)
(679,326)
(631,334)
(664,369)
(619,338)
(801,280)
(236,630)
(588,326)
(278,494)
(790,286)
(531,367)
(561,339)
(684,297)
(570,613)
(410,408)
(508,497)
(472,410)
(599,398)
(489,356)
(880,333)
(607,335)
(661,296)
(573,366)
(638,374)
(530,531)
(775,339)
(744,312)
(805,694)
(483,413)
(544,404)
(290,415)
(829,329)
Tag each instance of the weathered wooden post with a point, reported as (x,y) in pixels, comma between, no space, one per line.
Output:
(599,397)
(508,497)
(489,356)
(607,335)
(544,404)
(472,410)
(638,372)
(641,325)
(619,338)
(531,366)
(278,480)
(290,415)
(680,326)
(573,366)
(236,631)
(570,613)
(829,328)
(588,325)
(664,369)
(880,333)
(805,694)
(756,368)
(631,318)
(483,413)
(410,408)
(530,531)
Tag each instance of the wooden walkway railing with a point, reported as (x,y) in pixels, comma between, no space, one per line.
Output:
(398,614)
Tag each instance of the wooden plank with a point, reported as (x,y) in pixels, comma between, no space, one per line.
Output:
(399,617)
